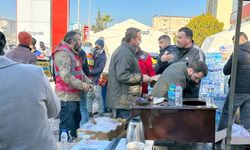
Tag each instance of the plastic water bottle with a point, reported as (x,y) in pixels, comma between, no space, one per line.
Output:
(171,93)
(64,139)
(178,96)
(95,107)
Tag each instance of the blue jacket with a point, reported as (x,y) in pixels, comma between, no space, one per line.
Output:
(243,69)
(99,64)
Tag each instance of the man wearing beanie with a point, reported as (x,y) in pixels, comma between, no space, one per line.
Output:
(22,53)
(99,61)
(99,57)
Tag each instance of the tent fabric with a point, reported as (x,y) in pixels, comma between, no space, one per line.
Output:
(223,39)
(114,34)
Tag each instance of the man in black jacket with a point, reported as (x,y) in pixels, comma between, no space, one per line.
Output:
(185,51)
(165,55)
(242,88)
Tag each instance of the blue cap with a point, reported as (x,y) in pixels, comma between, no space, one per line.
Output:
(100,42)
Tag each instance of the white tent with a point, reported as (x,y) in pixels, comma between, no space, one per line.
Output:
(223,39)
(114,34)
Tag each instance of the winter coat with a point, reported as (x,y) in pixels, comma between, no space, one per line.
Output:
(146,67)
(99,64)
(22,54)
(174,74)
(124,77)
(191,54)
(27,101)
(85,66)
(243,69)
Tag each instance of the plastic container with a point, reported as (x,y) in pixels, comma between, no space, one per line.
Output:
(64,139)
(178,96)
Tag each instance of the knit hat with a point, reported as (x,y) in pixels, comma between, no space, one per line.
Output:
(100,42)
(24,38)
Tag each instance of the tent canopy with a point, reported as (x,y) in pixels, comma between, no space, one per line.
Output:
(114,34)
(224,38)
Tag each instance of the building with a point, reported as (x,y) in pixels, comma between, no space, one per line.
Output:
(245,13)
(8,27)
(221,9)
(169,24)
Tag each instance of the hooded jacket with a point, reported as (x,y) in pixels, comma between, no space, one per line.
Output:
(243,69)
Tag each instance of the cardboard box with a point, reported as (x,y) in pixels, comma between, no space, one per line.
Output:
(105,135)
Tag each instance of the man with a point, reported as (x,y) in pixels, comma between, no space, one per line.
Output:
(83,104)
(179,73)
(44,50)
(2,43)
(33,47)
(99,61)
(100,58)
(146,67)
(22,53)
(242,88)
(186,51)
(70,81)
(27,101)
(166,54)
(124,75)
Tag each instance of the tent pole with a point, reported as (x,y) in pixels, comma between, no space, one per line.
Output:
(233,76)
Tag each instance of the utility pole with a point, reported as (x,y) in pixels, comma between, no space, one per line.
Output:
(89,19)
(78,13)
(233,75)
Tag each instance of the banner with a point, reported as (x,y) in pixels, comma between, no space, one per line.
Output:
(33,16)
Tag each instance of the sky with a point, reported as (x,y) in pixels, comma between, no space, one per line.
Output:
(121,10)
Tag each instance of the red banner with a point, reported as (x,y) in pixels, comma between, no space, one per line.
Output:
(59,22)
(85,33)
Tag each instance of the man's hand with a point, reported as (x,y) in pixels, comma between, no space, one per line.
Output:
(146,78)
(91,87)
(166,56)
(88,87)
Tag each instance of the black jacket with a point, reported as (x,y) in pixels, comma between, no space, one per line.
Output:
(191,54)
(161,66)
(243,69)
(85,65)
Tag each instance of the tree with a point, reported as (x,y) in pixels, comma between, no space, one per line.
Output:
(204,26)
(101,22)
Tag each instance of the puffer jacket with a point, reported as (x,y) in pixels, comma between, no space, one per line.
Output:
(124,77)
(243,69)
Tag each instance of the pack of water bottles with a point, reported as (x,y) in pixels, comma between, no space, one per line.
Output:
(214,87)
(214,84)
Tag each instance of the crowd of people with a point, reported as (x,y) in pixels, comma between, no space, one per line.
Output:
(28,100)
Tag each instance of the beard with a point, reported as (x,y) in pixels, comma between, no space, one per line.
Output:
(77,47)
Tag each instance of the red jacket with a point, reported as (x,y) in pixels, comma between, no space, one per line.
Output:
(146,67)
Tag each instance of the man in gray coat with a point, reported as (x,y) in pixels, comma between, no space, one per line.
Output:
(27,101)
(22,53)
(125,77)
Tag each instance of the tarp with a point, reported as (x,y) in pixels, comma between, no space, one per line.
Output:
(114,34)
(223,39)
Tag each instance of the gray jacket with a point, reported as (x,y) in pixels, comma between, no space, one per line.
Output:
(191,54)
(124,77)
(22,54)
(174,74)
(27,101)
